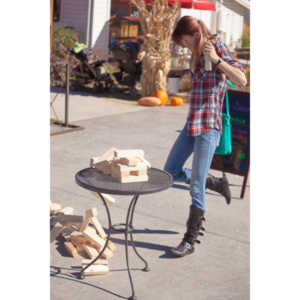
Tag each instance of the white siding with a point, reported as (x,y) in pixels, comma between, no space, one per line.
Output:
(100,28)
(233,27)
(74,14)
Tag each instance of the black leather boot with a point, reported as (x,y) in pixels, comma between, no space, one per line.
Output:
(219,185)
(194,225)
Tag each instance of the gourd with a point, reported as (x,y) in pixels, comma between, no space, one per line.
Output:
(176,101)
(149,101)
(163,96)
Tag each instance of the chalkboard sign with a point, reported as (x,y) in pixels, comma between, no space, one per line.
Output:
(238,161)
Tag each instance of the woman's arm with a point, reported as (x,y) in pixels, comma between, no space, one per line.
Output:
(233,73)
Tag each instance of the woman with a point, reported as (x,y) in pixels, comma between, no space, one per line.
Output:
(201,133)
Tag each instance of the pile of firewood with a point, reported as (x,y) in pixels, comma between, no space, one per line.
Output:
(83,236)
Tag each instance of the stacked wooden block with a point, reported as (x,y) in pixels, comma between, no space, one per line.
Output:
(123,165)
(83,236)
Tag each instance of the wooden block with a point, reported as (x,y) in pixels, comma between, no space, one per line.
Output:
(98,227)
(78,238)
(104,166)
(108,155)
(141,178)
(138,172)
(66,233)
(107,198)
(80,249)
(90,251)
(111,246)
(119,170)
(69,220)
(85,223)
(66,211)
(99,261)
(96,270)
(107,254)
(54,207)
(129,153)
(145,161)
(56,231)
(71,249)
(95,239)
(91,212)
(129,161)
(97,242)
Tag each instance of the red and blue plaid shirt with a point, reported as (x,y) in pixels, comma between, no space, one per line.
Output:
(208,91)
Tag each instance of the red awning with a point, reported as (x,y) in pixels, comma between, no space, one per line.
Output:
(183,3)
(196,4)
(204,5)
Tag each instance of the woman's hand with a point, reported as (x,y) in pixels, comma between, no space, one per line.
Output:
(209,51)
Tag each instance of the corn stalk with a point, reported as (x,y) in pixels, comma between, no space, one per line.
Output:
(157,26)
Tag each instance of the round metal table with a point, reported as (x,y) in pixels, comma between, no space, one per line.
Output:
(94,180)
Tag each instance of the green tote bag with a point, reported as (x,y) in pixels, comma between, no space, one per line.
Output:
(225,146)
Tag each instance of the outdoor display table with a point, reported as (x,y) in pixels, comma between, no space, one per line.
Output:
(92,179)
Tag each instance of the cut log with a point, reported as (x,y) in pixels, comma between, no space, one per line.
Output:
(54,207)
(145,161)
(90,251)
(78,238)
(69,220)
(80,249)
(56,231)
(129,153)
(96,270)
(111,246)
(129,161)
(91,212)
(66,211)
(107,198)
(85,224)
(130,174)
(99,261)
(98,227)
(95,239)
(66,233)
(71,249)
(104,166)
(108,155)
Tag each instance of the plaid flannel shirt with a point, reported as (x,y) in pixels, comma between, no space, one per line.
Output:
(208,91)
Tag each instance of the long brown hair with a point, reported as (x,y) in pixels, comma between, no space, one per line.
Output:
(189,25)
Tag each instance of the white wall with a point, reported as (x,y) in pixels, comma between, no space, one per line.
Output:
(100,28)
(74,13)
(232,25)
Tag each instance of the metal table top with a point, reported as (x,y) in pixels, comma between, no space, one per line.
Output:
(94,180)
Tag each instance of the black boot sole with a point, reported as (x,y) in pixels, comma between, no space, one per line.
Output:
(181,254)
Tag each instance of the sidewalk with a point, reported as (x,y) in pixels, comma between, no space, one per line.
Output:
(219,268)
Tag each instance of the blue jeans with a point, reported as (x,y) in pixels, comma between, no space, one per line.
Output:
(204,147)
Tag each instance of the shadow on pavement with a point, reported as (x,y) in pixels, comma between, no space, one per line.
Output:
(56,272)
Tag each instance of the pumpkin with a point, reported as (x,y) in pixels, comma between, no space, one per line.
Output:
(176,101)
(163,96)
(149,101)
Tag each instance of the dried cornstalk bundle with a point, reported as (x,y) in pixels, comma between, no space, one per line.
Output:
(157,26)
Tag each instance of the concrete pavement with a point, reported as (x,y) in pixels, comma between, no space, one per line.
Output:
(219,268)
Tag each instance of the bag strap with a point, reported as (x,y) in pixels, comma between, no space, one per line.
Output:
(226,97)
(227,104)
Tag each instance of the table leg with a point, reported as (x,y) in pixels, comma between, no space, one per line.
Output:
(146,269)
(129,217)
(81,275)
